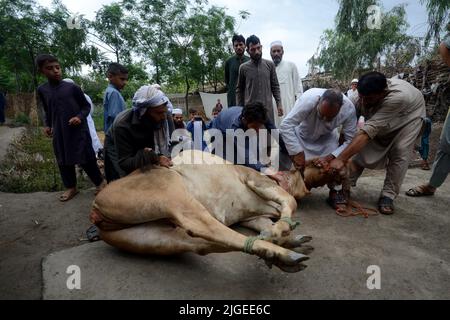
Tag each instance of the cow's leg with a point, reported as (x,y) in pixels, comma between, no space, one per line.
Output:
(198,222)
(263,225)
(159,238)
(272,192)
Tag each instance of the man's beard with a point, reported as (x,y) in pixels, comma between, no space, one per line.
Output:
(257,57)
(276,60)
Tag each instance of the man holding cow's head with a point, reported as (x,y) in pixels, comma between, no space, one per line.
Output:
(139,136)
(394,111)
(310,133)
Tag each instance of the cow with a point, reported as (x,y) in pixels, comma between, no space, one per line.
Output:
(190,208)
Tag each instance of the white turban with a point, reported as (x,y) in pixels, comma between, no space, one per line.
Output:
(148,97)
(177,111)
(276,43)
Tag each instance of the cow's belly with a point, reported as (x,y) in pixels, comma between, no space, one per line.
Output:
(222,191)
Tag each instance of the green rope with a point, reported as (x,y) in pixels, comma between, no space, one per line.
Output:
(291,223)
(250,241)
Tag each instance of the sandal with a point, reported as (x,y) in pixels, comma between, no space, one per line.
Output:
(93,234)
(386,206)
(69,194)
(337,199)
(420,191)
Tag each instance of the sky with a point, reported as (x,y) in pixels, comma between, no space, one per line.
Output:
(299,24)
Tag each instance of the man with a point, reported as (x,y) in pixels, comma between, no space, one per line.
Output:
(441,166)
(139,136)
(232,68)
(251,117)
(352,93)
(257,81)
(310,132)
(218,105)
(66,110)
(178,119)
(215,112)
(394,111)
(96,143)
(291,87)
(113,102)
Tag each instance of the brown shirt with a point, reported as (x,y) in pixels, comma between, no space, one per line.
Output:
(258,82)
(402,105)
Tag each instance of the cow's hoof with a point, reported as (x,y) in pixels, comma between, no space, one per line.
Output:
(297,241)
(304,250)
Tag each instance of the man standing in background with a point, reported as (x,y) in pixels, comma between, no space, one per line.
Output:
(352,93)
(232,68)
(257,81)
(291,87)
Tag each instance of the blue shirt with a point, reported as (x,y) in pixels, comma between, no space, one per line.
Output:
(113,104)
(231,118)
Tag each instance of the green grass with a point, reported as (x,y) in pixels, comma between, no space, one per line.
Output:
(30,166)
(97,116)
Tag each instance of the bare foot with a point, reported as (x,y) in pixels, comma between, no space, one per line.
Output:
(68,194)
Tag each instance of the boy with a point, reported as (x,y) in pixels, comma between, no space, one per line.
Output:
(66,110)
(113,102)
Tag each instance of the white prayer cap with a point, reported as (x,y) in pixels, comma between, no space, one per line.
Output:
(177,111)
(276,43)
(156,86)
(355,81)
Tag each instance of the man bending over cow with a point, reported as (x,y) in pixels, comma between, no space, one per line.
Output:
(394,111)
(253,116)
(139,136)
(310,133)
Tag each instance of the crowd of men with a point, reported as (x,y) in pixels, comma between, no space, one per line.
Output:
(318,126)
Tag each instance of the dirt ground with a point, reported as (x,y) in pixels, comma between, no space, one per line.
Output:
(34,225)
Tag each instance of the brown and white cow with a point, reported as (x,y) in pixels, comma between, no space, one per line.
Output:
(190,208)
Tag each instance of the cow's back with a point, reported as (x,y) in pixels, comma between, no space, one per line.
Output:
(222,189)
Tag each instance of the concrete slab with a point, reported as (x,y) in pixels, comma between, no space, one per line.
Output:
(412,249)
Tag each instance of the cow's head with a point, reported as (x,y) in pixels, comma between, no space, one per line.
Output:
(317,176)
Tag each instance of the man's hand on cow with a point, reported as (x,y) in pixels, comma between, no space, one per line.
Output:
(165,162)
(323,162)
(337,164)
(299,161)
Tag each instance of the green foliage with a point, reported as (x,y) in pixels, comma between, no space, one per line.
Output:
(30,166)
(29,29)
(438,19)
(21,119)
(179,44)
(352,47)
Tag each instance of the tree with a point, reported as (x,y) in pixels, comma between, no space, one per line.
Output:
(28,30)
(112,28)
(352,46)
(438,18)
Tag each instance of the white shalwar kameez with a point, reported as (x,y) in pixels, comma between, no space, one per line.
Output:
(303,130)
(291,88)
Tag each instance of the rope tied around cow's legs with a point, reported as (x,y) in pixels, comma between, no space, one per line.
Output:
(250,241)
(291,223)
